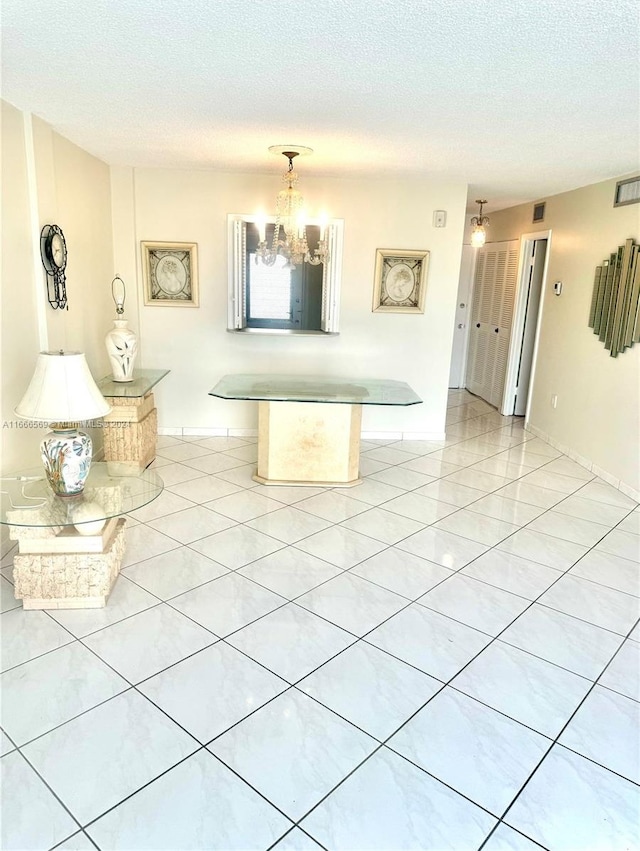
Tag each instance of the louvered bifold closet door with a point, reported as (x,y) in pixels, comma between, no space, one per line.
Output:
(492,315)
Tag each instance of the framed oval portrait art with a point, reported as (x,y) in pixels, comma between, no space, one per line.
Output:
(170,273)
(400,281)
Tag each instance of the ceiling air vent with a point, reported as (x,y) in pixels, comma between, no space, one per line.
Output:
(538,212)
(627,192)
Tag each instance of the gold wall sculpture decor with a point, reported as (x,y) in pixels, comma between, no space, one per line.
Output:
(615,304)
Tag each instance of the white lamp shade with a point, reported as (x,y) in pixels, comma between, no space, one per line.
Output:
(62,390)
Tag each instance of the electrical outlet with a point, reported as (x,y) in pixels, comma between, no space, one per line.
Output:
(554,401)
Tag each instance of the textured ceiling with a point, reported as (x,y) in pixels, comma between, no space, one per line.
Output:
(520,99)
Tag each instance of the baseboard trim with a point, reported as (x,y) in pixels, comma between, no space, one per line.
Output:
(605,475)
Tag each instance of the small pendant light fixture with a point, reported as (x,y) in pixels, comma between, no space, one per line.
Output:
(479,222)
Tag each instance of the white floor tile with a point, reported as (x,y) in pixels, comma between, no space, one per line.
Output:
(573,529)
(476,527)
(566,641)
(31,815)
(333,506)
(6,745)
(590,509)
(474,603)
(431,466)
(382,525)
(341,547)
(170,813)
(530,494)
(174,474)
(291,641)
(78,842)
(286,494)
(8,599)
(289,572)
(428,640)
(621,544)
(612,571)
(215,463)
(606,729)
(545,549)
(241,476)
(296,840)
(26,635)
(125,600)
(594,603)
(244,505)
(421,509)
(485,482)
(67,682)
(227,604)
(527,689)
(212,690)
(505,838)
(376,492)
(370,688)
(455,494)
(472,748)
(552,481)
(293,751)
(400,478)
(103,758)
(142,542)
(404,573)
(237,546)
(183,451)
(566,467)
(631,523)
(572,803)
(512,573)
(503,508)
(443,548)
(173,573)
(389,455)
(602,492)
(192,524)
(623,673)
(390,804)
(167,503)
(288,524)
(352,603)
(162,636)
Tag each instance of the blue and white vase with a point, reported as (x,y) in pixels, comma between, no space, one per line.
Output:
(66,455)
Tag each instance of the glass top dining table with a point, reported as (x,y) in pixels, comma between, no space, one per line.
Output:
(315,388)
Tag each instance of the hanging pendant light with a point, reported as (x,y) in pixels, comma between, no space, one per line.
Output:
(479,223)
(290,232)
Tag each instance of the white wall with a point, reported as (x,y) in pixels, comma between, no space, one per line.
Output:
(598,411)
(192,206)
(46,180)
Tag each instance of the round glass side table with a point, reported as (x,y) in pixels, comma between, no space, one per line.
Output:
(70,549)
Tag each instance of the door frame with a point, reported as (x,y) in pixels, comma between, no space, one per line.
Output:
(519,315)
(464,351)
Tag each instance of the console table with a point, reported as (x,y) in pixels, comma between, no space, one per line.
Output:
(131,429)
(59,565)
(309,426)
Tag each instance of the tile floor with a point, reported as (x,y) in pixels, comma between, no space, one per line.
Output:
(446,656)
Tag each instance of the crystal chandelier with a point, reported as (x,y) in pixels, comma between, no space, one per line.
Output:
(290,232)
(479,222)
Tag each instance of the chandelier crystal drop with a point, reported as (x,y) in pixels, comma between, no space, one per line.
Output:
(479,223)
(290,232)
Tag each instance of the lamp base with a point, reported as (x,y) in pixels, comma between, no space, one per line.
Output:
(66,455)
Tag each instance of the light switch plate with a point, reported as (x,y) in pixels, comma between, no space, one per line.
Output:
(439,218)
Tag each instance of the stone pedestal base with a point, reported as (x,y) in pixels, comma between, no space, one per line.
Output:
(80,578)
(308,443)
(131,430)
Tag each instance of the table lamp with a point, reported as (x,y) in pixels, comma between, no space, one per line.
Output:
(63,392)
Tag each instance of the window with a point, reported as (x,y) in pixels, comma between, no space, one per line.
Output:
(277,298)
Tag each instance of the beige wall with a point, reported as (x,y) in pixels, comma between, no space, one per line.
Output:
(598,410)
(194,344)
(45,180)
